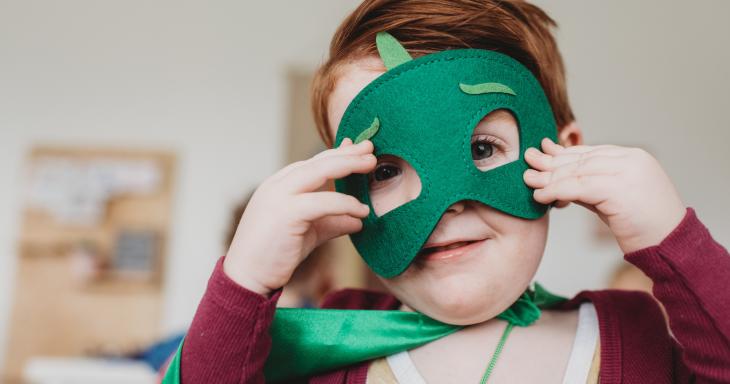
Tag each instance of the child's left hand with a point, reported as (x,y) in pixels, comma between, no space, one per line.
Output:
(626,187)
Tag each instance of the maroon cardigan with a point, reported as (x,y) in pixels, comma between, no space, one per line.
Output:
(228,340)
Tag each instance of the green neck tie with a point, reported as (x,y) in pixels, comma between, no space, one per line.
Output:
(307,342)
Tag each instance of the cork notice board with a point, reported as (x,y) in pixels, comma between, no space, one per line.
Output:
(91,250)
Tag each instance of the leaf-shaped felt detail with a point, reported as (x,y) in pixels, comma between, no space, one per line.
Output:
(369,132)
(391,51)
(478,89)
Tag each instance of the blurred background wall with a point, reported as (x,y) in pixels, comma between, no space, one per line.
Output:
(210,82)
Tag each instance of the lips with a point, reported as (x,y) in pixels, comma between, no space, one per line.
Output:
(448,249)
(453,245)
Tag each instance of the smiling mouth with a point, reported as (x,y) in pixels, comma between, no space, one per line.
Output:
(450,250)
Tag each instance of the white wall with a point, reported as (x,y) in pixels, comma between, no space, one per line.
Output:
(653,74)
(206,79)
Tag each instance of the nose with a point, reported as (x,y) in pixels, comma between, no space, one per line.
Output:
(457,207)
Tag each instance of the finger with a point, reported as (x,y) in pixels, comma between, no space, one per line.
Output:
(328,185)
(330,227)
(551,148)
(591,189)
(346,148)
(563,204)
(588,207)
(597,165)
(543,161)
(315,205)
(315,172)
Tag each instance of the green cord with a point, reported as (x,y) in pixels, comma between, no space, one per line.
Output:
(497,351)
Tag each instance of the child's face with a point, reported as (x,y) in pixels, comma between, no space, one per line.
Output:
(475,284)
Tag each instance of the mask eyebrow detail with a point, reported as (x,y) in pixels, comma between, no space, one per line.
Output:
(391,51)
(478,89)
(368,132)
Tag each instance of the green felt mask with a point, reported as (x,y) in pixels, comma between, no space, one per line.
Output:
(425,110)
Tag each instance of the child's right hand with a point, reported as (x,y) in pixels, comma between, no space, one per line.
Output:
(290,214)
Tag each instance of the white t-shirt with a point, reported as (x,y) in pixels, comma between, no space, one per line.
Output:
(579,362)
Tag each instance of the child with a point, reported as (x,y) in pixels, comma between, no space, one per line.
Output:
(461,247)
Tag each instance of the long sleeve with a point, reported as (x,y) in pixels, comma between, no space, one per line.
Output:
(691,275)
(228,340)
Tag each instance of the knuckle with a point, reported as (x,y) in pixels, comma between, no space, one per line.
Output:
(582,159)
(581,164)
(554,176)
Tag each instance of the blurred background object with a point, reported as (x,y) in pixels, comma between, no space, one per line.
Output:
(130,132)
(91,252)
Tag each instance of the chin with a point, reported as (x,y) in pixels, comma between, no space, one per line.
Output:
(467,290)
(468,309)
(467,316)
(456,299)
(461,296)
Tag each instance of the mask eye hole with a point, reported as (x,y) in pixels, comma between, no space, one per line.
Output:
(495,140)
(392,183)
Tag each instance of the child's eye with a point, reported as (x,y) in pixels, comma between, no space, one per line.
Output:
(383,172)
(483,147)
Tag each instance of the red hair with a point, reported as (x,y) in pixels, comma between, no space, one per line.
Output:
(515,28)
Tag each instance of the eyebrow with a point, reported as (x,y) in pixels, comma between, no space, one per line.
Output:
(482,88)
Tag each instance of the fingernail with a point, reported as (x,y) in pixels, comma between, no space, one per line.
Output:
(531,175)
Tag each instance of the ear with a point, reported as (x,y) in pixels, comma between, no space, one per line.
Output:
(570,135)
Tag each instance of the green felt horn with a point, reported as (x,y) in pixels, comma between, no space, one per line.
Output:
(390,50)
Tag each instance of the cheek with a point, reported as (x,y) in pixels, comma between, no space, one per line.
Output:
(528,249)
